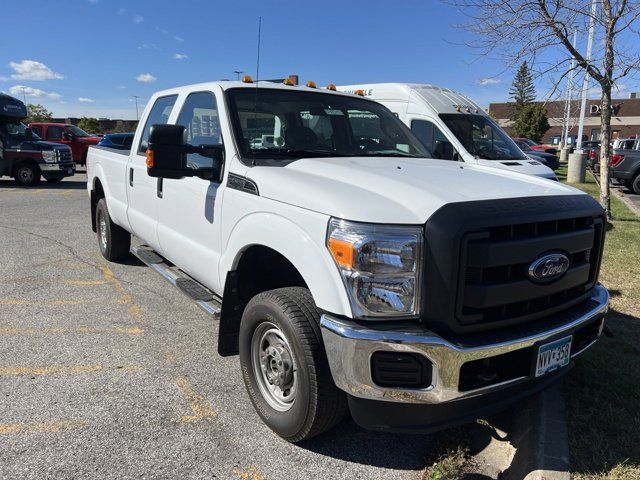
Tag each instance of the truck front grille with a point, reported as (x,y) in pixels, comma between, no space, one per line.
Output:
(65,155)
(494,284)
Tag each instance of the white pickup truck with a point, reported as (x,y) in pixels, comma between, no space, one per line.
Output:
(344,266)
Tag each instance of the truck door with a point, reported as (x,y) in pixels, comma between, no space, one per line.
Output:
(189,225)
(142,210)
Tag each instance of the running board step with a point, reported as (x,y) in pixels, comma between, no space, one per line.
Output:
(204,298)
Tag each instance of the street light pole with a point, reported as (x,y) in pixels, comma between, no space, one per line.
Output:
(567,107)
(24,96)
(238,72)
(136,100)
(585,81)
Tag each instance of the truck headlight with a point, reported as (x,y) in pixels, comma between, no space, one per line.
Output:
(50,156)
(381,267)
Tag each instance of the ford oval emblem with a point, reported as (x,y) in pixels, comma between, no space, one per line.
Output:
(549,267)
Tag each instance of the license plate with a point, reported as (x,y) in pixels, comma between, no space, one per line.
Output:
(553,355)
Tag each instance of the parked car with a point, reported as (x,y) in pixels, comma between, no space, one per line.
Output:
(625,163)
(23,155)
(537,147)
(346,267)
(451,126)
(545,158)
(68,134)
(120,141)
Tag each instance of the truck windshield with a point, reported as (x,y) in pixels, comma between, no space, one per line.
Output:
(15,131)
(78,132)
(285,124)
(482,137)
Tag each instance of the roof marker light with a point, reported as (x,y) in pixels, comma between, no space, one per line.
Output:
(289,81)
(359,92)
(311,84)
(468,110)
(247,79)
(332,87)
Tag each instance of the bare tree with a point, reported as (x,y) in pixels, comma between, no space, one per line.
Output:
(540,32)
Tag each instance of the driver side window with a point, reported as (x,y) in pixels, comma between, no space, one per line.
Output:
(433,139)
(199,115)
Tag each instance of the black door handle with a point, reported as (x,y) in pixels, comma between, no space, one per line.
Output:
(159,190)
(131,176)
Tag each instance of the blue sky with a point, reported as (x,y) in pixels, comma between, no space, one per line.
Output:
(89,57)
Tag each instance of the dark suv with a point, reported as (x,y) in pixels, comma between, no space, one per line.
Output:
(23,155)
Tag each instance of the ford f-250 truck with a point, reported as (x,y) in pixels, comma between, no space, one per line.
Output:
(345,267)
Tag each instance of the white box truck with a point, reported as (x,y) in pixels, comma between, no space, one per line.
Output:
(451,126)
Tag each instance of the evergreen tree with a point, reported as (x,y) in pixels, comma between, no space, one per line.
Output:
(522,91)
(532,122)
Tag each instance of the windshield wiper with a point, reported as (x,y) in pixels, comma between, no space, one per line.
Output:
(387,154)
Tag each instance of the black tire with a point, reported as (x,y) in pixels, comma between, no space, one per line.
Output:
(54,179)
(635,185)
(318,404)
(27,174)
(113,240)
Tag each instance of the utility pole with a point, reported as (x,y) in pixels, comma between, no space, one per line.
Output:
(585,81)
(567,106)
(135,97)
(24,96)
(238,72)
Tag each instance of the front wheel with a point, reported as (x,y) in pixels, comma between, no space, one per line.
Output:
(113,240)
(27,174)
(284,364)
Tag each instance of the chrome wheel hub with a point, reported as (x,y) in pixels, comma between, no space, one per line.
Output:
(102,227)
(274,366)
(25,174)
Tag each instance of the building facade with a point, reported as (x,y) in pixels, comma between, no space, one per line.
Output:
(625,121)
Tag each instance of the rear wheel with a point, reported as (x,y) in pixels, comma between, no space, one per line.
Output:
(113,240)
(285,367)
(27,174)
(635,186)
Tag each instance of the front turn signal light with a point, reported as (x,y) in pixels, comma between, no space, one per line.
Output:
(342,252)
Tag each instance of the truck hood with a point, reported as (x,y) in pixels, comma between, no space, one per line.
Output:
(89,140)
(42,145)
(392,190)
(528,166)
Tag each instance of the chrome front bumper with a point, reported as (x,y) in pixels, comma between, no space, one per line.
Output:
(349,347)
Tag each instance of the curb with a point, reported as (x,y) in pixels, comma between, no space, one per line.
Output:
(539,434)
(625,199)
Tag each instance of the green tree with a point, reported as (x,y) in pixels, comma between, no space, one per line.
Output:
(532,122)
(522,91)
(90,125)
(37,113)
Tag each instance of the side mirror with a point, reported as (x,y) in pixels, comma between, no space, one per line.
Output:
(28,134)
(168,150)
(443,150)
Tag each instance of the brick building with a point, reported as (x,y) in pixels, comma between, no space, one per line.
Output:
(625,120)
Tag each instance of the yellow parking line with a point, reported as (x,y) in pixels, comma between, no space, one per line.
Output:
(85,282)
(7,190)
(55,369)
(251,474)
(66,192)
(56,426)
(202,409)
(40,190)
(110,278)
(53,330)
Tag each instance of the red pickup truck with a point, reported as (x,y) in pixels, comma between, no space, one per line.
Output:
(69,134)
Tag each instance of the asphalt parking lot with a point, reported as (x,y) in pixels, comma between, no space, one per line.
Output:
(107,371)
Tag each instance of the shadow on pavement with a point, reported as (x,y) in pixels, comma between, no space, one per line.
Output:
(44,185)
